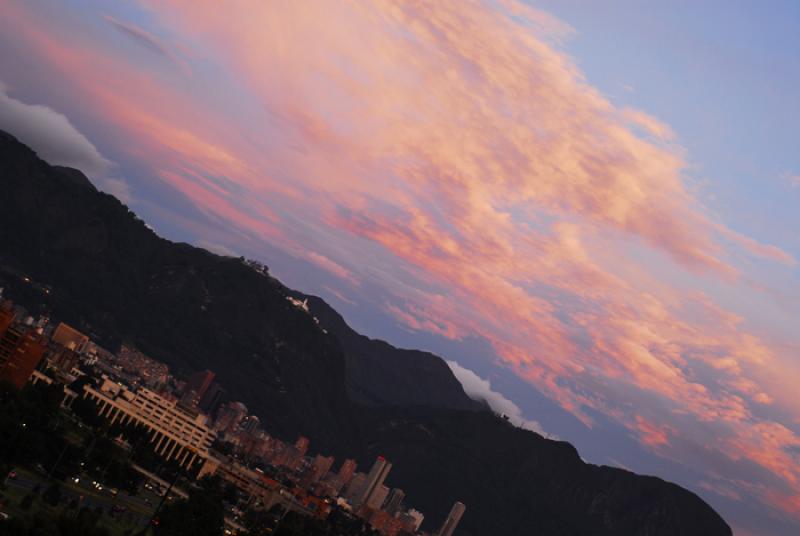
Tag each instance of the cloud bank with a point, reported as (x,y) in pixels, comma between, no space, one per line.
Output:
(58,142)
(51,135)
(480,389)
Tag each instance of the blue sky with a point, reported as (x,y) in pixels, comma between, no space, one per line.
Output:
(724,76)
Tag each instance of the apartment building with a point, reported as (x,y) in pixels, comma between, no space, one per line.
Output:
(178,432)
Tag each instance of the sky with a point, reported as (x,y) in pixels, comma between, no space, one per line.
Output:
(587,208)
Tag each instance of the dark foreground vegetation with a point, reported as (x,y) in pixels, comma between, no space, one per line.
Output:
(47,452)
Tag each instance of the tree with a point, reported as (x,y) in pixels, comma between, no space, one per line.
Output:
(86,410)
(27,420)
(201,514)
(259,522)
(27,502)
(52,495)
(84,524)
(295,524)
(230,494)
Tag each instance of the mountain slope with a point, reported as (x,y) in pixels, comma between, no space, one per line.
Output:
(378,374)
(522,483)
(113,277)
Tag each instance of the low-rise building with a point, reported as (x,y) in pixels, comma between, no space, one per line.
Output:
(175,431)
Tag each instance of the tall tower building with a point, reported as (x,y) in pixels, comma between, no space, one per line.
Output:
(302,445)
(21,349)
(395,501)
(212,398)
(453,518)
(322,464)
(347,470)
(6,316)
(376,500)
(354,487)
(318,469)
(416,516)
(251,424)
(375,478)
(197,385)
(229,416)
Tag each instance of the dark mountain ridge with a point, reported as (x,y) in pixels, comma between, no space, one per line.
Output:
(380,375)
(113,277)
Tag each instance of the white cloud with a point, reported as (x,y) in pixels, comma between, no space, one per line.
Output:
(116,187)
(219,249)
(58,142)
(479,389)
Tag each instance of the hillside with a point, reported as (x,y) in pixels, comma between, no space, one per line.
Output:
(111,276)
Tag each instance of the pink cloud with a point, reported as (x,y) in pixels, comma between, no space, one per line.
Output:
(456,148)
(651,434)
(419,320)
(339,295)
(332,267)
(650,124)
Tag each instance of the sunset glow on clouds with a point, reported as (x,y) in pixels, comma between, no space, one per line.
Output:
(453,156)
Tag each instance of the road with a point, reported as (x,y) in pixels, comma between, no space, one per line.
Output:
(138,508)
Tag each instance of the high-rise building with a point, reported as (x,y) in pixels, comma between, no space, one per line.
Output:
(69,337)
(229,416)
(21,349)
(6,316)
(395,501)
(197,385)
(302,445)
(377,498)
(381,521)
(20,352)
(453,518)
(212,398)
(375,478)
(354,487)
(347,470)
(63,359)
(321,465)
(318,469)
(251,424)
(416,517)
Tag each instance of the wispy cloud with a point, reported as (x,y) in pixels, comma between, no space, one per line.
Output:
(451,155)
(148,40)
(330,266)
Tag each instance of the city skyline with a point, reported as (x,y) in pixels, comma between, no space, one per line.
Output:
(164,413)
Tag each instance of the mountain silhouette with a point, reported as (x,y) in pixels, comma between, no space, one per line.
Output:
(307,372)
